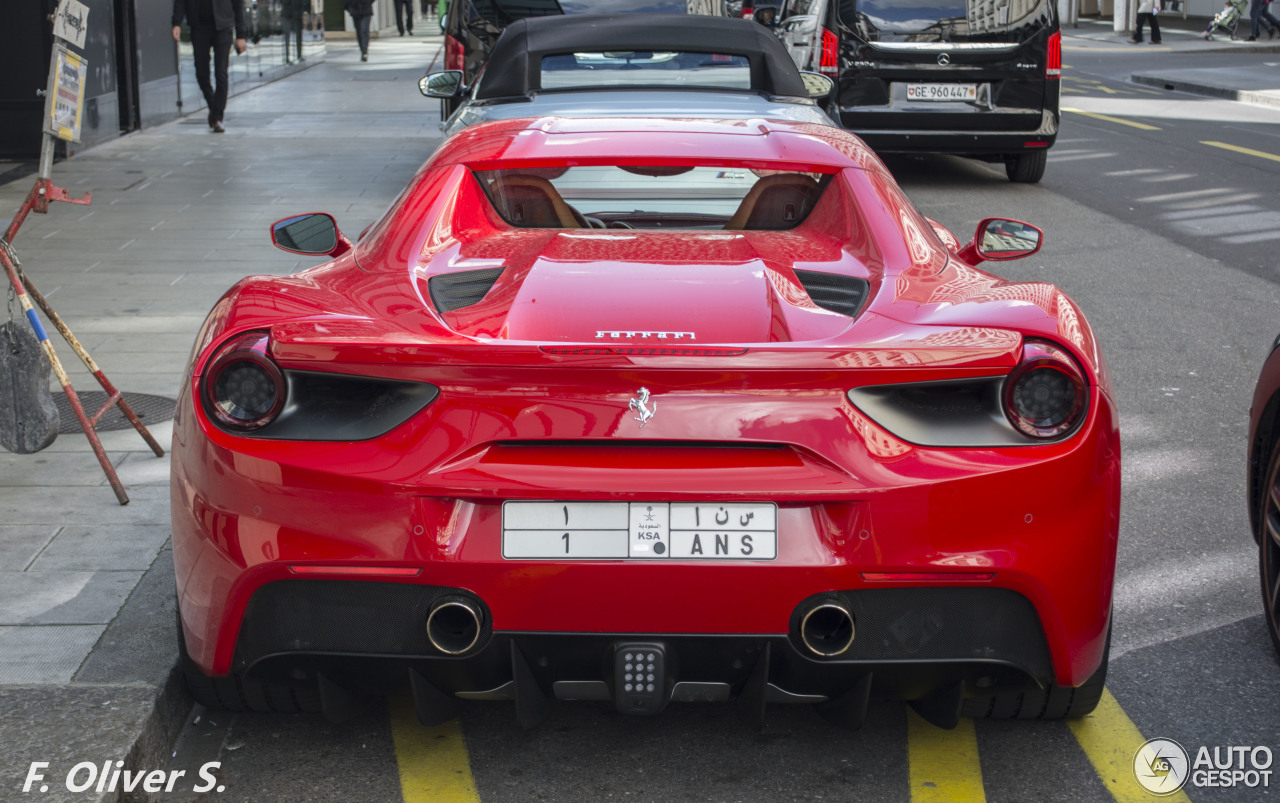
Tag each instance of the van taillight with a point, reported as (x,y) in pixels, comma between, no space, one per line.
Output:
(454,54)
(748,12)
(829,63)
(1053,61)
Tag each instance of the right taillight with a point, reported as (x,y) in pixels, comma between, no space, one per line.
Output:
(1053,59)
(454,54)
(829,61)
(243,388)
(1045,395)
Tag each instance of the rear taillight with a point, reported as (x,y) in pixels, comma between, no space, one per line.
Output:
(454,54)
(1053,60)
(829,62)
(1044,397)
(243,388)
(748,13)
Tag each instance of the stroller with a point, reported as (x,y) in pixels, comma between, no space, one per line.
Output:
(1227,20)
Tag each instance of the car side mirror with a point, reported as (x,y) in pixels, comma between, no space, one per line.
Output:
(447,84)
(816,84)
(1000,239)
(314,234)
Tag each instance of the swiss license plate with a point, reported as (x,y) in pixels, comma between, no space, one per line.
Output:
(942,91)
(639,530)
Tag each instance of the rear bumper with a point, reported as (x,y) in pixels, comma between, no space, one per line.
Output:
(960,142)
(910,643)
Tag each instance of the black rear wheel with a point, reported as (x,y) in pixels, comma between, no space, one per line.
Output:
(1054,702)
(1269,547)
(237,693)
(1026,167)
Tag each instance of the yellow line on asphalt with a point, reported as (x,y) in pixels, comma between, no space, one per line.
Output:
(1111,740)
(944,765)
(434,767)
(1110,119)
(1245,151)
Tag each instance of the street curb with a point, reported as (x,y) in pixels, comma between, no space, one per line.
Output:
(1257,97)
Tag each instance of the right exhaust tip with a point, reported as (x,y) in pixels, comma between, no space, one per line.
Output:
(454,625)
(827,629)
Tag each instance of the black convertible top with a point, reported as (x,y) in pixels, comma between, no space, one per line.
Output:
(515,65)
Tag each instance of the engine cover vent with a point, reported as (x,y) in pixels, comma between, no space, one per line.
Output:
(451,291)
(834,291)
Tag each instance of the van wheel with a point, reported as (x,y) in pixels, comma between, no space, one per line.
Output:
(238,693)
(1026,167)
(1054,702)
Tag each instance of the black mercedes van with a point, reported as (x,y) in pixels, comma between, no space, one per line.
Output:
(975,78)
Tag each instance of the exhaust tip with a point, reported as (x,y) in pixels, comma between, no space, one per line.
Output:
(827,629)
(454,625)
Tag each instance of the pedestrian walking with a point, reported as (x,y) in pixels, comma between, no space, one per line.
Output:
(1258,12)
(361,12)
(292,12)
(1147,11)
(214,24)
(404,15)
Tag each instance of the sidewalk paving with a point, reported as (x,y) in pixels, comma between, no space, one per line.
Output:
(87,645)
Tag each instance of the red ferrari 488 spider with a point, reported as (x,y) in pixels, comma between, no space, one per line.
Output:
(644,411)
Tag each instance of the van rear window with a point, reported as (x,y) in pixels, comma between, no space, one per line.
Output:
(946,19)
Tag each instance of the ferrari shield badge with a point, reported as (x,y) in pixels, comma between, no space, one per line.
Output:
(640,405)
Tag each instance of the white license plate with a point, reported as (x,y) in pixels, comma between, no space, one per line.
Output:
(942,91)
(639,530)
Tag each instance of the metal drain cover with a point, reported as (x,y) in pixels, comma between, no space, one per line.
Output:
(151,409)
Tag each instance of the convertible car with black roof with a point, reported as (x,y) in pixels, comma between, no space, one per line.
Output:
(628,65)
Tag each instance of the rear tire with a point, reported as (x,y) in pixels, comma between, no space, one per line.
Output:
(1054,702)
(238,693)
(1269,546)
(1026,167)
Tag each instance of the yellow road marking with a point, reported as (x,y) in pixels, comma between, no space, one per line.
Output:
(1245,151)
(1110,119)
(433,762)
(944,765)
(1110,740)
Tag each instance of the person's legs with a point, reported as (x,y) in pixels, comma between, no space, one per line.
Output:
(1255,18)
(408,14)
(1137,28)
(362,36)
(221,64)
(1155,29)
(201,42)
(399,16)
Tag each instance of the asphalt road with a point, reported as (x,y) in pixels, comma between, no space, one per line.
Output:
(1168,244)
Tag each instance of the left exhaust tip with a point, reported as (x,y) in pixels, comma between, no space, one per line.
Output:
(454,625)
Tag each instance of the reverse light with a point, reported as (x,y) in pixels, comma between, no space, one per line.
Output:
(928,577)
(243,388)
(829,61)
(454,54)
(1053,59)
(1044,397)
(360,571)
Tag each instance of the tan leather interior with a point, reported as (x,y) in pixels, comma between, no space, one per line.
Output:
(533,202)
(771,189)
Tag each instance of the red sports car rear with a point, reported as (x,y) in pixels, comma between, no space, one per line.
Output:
(648,411)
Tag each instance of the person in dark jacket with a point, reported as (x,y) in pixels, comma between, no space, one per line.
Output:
(213,24)
(361,12)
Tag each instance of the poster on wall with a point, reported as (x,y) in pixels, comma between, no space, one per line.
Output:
(65,100)
(71,22)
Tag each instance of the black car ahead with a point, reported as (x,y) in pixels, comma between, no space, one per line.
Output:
(473,26)
(973,78)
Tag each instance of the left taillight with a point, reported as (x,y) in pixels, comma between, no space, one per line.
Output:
(829,61)
(1044,397)
(243,389)
(1053,59)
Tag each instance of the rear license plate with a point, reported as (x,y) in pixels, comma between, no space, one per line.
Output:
(639,531)
(942,91)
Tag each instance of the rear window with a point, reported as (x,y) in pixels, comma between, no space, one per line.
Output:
(944,19)
(645,68)
(618,197)
(504,12)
